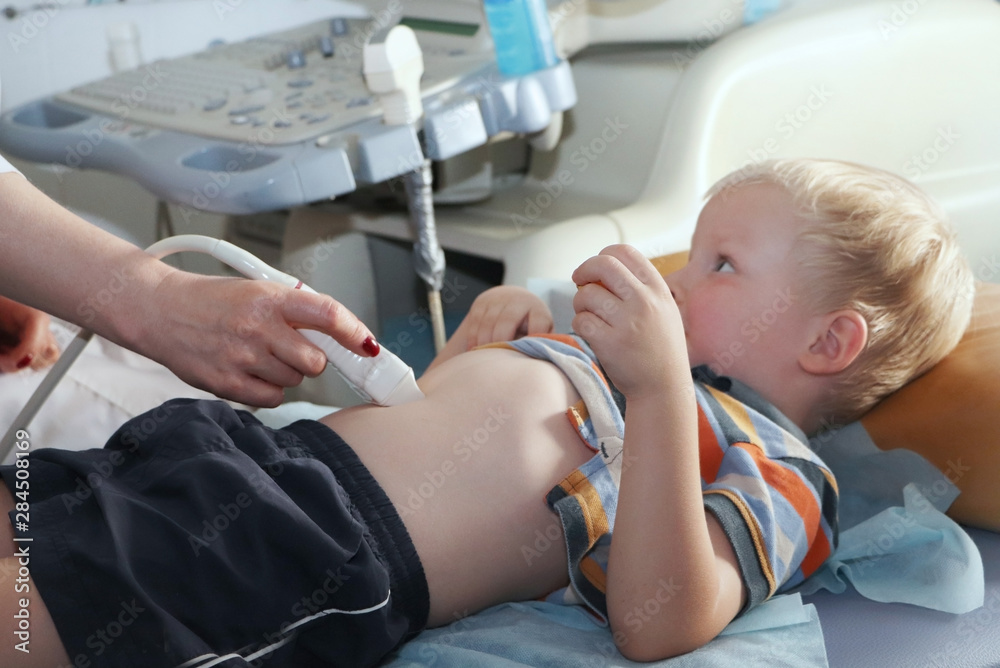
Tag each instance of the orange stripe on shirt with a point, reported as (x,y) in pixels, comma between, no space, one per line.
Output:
(819,551)
(577,415)
(709,452)
(595,575)
(787,483)
(750,521)
(737,412)
(577,484)
(570,340)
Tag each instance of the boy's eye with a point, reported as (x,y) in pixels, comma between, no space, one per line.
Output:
(724,266)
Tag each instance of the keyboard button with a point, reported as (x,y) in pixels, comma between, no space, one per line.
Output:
(243,111)
(338,27)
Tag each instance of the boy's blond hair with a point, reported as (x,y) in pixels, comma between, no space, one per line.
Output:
(875,243)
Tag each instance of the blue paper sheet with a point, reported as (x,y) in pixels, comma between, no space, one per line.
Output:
(896,544)
(781,632)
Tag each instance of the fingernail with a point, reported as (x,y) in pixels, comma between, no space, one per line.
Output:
(371,346)
(25,361)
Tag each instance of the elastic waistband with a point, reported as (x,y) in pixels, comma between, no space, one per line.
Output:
(388,536)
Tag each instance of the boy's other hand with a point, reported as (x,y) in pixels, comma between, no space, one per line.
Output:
(504,313)
(626,313)
(25,339)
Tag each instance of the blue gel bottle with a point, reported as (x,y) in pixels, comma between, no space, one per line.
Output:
(521,35)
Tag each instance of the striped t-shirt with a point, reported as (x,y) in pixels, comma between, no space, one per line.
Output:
(773,497)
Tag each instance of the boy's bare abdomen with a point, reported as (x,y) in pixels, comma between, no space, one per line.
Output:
(468,469)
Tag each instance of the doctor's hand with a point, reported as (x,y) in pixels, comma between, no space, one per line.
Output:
(237,338)
(504,313)
(25,339)
(625,312)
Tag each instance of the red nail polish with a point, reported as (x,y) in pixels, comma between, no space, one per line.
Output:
(371,346)
(25,361)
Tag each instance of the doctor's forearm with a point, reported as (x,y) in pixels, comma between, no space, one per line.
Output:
(59,263)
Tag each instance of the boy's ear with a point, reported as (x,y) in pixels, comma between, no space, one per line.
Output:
(837,341)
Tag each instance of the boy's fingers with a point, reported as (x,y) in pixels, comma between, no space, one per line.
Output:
(610,272)
(539,322)
(505,325)
(596,300)
(486,332)
(471,324)
(592,270)
(513,324)
(635,262)
(589,326)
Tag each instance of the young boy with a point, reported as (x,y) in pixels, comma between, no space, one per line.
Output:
(204,539)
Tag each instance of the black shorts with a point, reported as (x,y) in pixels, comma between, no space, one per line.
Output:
(199,537)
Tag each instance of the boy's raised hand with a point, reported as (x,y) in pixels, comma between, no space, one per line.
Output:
(504,313)
(626,313)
